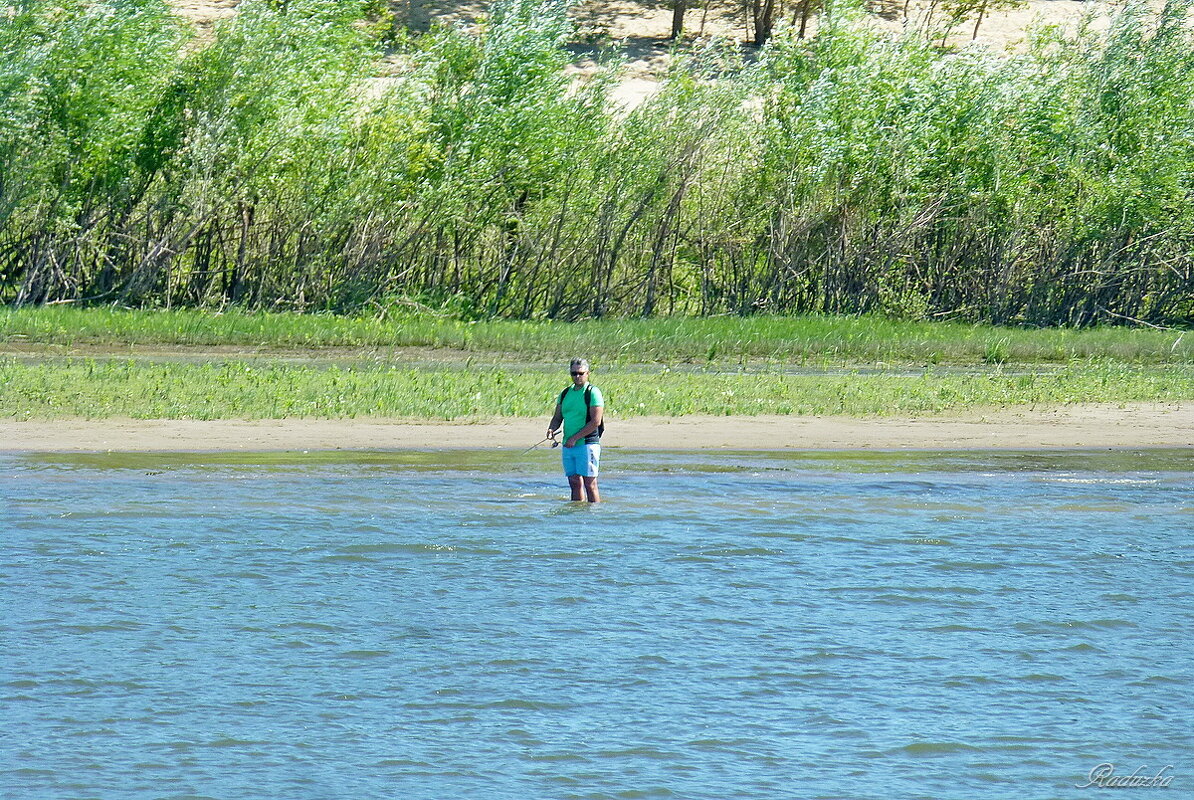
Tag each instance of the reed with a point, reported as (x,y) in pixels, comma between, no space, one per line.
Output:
(282,167)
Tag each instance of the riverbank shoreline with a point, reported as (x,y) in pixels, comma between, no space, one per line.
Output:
(1089,425)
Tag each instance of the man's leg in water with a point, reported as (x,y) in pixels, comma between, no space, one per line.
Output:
(590,489)
(574,483)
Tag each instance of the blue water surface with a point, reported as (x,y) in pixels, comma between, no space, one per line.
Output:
(728,625)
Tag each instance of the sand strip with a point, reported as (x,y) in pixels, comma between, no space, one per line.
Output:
(1076,426)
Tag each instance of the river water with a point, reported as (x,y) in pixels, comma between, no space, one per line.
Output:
(445,625)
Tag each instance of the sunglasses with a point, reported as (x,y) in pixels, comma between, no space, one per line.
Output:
(582,372)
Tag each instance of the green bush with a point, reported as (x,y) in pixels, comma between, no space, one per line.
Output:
(279,166)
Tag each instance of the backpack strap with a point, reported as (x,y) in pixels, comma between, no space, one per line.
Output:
(589,407)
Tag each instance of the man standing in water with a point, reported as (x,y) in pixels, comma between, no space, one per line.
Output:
(580,407)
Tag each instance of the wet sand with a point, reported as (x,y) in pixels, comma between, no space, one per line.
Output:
(1144,425)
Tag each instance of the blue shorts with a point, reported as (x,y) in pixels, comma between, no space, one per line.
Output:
(581,460)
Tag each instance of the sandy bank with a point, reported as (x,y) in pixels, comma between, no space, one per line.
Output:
(1088,425)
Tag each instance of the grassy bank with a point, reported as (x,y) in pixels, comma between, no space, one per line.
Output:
(723,365)
(716,340)
(238,390)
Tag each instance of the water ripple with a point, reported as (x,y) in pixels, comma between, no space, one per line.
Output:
(725,625)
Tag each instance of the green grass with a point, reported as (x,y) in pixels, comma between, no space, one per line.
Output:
(237,390)
(715,340)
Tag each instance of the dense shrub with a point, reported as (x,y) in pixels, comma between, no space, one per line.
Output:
(279,166)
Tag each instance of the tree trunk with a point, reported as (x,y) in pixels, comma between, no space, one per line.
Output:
(764,19)
(982,10)
(678,9)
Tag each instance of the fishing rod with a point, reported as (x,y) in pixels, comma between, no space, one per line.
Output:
(546,438)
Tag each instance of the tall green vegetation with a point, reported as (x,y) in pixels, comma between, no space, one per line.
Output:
(846,173)
(1046,187)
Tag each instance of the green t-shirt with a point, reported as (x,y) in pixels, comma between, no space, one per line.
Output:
(576,413)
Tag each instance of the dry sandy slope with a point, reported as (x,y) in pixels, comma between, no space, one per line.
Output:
(641,22)
(1076,426)
(643,27)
